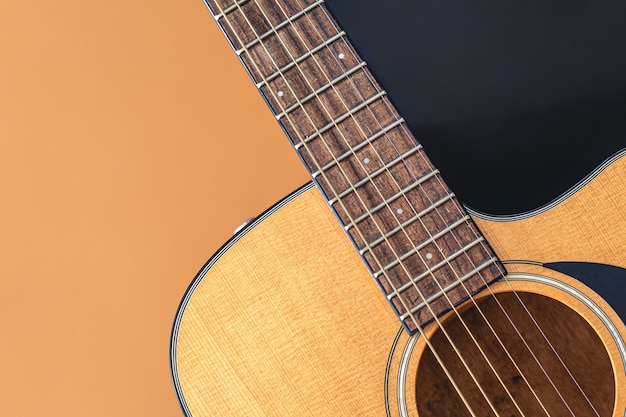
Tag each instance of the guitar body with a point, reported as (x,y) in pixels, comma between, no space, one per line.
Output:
(286,320)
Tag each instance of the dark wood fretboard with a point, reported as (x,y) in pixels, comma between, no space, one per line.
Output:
(420,244)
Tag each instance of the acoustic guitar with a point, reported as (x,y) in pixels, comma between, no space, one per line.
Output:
(372,291)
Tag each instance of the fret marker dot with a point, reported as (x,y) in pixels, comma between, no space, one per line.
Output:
(399,211)
(280,93)
(366,161)
(429,255)
(341,56)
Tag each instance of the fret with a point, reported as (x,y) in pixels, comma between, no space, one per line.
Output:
(368,141)
(448,288)
(423,235)
(334,153)
(374,174)
(301,58)
(242,24)
(430,299)
(290,89)
(398,185)
(352,151)
(419,239)
(385,193)
(329,111)
(344,116)
(290,6)
(262,17)
(422,245)
(276,28)
(320,90)
(227,10)
(394,197)
(405,224)
(446,261)
(281,49)
(403,220)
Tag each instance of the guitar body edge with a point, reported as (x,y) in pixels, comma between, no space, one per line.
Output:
(285,319)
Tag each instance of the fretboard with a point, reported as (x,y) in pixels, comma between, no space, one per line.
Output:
(411,231)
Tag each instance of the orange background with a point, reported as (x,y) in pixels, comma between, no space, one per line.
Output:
(132,143)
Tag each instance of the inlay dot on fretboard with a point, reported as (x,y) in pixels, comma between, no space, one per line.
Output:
(383,189)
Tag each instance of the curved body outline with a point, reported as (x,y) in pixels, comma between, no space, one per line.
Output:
(302,210)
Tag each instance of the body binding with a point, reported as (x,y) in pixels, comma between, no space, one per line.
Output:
(285,319)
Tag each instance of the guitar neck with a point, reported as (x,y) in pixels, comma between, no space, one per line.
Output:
(409,228)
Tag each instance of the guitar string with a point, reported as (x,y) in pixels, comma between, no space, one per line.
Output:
(461,211)
(288,85)
(296,96)
(462,284)
(441,363)
(481,313)
(363,99)
(346,108)
(326,110)
(315,59)
(460,247)
(470,296)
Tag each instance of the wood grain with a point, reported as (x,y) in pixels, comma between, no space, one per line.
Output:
(287,320)
(267,334)
(591,230)
(411,231)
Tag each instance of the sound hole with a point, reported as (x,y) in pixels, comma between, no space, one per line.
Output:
(541,386)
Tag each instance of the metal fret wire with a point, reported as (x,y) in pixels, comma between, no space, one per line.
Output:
(323,88)
(410,221)
(418,288)
(353,189)
(367,142)
(349,114)
(281,25)
(229,9)
(441,363)
(312,123)
(443,291)
(420,293)
(291,22)
(433,240)
(334,122)
(479,273)
(477,270)
(369,176)
(397,196)
(463,251)
(461,211)
(303,58)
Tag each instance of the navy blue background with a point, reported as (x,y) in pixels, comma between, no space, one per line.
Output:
(515,101)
